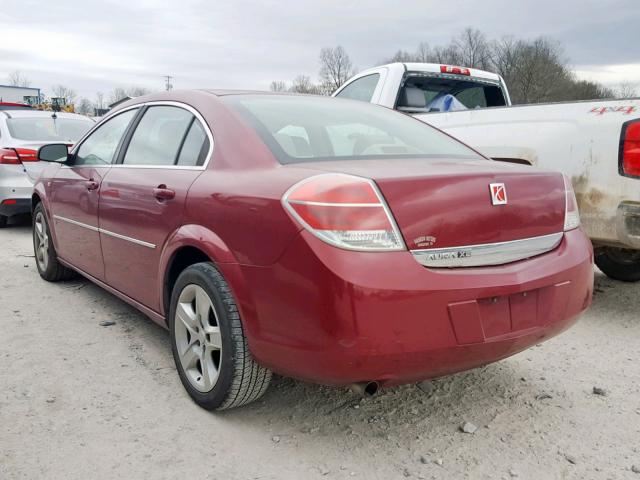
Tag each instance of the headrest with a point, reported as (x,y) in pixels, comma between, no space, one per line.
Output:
(412,97)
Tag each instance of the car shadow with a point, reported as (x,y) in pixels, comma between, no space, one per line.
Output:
(19,222)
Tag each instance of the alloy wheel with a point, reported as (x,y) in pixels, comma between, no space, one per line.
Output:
(41,241)
(198,338)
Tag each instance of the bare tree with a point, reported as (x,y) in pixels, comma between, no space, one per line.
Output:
(303,84)
(84,106)
(119,93)
(99,100)
(116,94)
(62,91)
(626,90)
(278,86)
(423,53)
(134,91)
(448,54)
(17,79)
(335,67)
(473,49)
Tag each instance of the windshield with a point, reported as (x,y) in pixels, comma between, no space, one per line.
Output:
(306,128)
(46,129)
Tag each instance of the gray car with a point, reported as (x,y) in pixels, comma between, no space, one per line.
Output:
(22,132)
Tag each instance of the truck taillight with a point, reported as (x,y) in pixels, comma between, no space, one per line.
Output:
(630,149)
(345,211)
(454,70)
(571,214)
(8,156)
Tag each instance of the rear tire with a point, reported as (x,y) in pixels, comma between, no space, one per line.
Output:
(47,262)
(619,263)
(209,346)
(3,221)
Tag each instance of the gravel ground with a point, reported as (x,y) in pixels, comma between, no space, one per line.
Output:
(78,400)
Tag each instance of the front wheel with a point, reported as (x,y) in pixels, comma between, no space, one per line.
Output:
(46,257)
(208,342)
(619,263)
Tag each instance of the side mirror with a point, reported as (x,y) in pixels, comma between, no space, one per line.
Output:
(54,152)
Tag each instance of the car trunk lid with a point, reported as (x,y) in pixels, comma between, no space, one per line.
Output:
(441,204)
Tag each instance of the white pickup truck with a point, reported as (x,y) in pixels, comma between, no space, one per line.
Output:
(595,143)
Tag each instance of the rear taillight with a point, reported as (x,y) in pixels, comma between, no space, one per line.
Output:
(15,156)
(454,70)
(27,155)
(571,214)
(8,156)
(345,211)
(630,149)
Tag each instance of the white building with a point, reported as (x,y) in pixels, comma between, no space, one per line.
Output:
(19,94)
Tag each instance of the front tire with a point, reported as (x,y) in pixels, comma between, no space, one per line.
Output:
(47,262)
(209,346)
(619,263)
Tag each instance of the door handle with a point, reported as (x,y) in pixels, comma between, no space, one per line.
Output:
(92,185)
(161,192)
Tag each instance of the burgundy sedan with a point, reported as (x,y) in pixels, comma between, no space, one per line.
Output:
(323,239)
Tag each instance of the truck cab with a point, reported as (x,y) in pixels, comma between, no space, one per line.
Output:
(419,88)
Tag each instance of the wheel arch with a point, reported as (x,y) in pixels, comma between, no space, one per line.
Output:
(35,200)
(192,244)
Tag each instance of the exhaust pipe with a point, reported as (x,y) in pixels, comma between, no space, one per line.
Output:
(365,389)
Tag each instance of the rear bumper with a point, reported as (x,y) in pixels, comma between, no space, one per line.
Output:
(15,206)
(335,317)
(628,224)
(15,195)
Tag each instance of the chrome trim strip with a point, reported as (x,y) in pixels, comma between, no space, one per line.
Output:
(128,239)
(106,232)
(74,222)
(329,204)
(488,253)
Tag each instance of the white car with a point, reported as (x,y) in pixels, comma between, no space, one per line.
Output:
(23,131)
(595,143)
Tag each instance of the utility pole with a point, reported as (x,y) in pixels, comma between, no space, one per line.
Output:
(168,86)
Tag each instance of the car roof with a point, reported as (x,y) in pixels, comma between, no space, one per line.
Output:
(222,92)
(415,67)
(435,68)
(33,113)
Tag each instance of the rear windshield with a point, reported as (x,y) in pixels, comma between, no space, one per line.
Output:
(306,128)
(442,93)
(48,129)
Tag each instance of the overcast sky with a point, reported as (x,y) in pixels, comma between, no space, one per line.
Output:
(97,45)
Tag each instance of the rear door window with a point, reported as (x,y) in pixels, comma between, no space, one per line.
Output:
(195,147)
(158,137)
(100,147)
(361,89)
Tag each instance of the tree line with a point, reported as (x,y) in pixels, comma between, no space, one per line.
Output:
(535,71)
(83,105)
